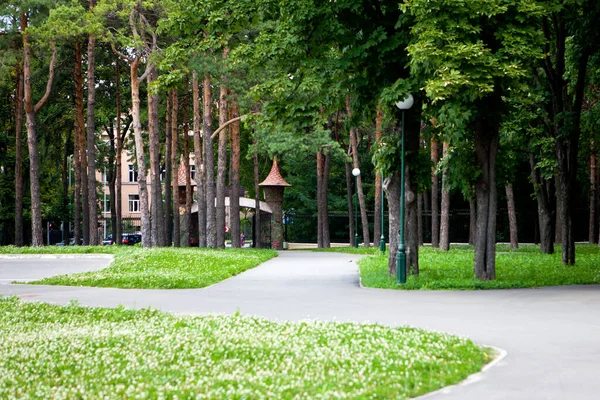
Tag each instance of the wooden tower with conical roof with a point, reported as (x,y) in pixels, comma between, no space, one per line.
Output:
(273,187)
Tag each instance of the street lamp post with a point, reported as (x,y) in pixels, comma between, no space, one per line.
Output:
(382,238)
(401,254)
(356,173)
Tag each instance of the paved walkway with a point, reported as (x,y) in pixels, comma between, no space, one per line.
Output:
(552,335)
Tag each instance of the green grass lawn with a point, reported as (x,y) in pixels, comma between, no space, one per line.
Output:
(54,352)
(156,268)
(525,267)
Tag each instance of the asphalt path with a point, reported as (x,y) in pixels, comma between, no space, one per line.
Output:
(551,335)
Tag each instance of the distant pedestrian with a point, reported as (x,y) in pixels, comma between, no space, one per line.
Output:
(242,239)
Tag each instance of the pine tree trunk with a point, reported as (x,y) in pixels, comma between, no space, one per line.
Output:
(512,217)
(30,114)
(175,168)
(65,193)
(156,209)
(361,197)
(168,225)
(209,164)
(91,140)
(472,221)
(140,156)
(445,214)
(377,228)
(117,227)
(187,213)
(420,219)
(391,185)
(81,181)
(222,167)
(256,239)
(325,211)
(542,195)
(200,193)
(435,222)
(593,195)
(558,231)
(234,177)
(320,162)
(19,240)
(349,185)
(486,147)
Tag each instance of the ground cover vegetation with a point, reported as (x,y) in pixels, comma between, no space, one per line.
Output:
(68,352)
(500,87)
(451,270)
(157,268)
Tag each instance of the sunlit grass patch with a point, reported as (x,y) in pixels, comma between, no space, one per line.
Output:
(69,352)
(163,268)
(522,268)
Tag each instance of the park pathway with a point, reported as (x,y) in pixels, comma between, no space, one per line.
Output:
(551,335)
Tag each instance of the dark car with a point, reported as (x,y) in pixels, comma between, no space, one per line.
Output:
(128,239)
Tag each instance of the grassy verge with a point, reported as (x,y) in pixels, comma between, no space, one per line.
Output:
(156,268)
(522,268)
(58,352)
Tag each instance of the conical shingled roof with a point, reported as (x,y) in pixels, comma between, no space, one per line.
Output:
(274,178)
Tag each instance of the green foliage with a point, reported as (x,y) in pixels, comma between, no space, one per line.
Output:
(68,352)
(453,270)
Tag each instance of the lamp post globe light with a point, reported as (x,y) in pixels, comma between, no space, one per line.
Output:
(356,173)
(401,254)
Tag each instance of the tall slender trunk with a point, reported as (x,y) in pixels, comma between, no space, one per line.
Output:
(512,217)
(117,229)
(222,167)
(391,185)
(356,164)
(234,177)
(325,191)
(486,147)
(156,208)
(377,227)
(140,156)
(200,192)
(420,219)
(30,112)
(349,185)
(175,168)
(542,192)
(445,214)
(65,187)
(168,225)
(472,220)
(435,181)
(320,161)
(209,164)
(256,235)
(558,228)
(593,195)
(116,131)
(91,139)
(81,181)
(19,110)
(187,213)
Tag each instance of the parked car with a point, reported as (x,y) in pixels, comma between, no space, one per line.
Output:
(128,239)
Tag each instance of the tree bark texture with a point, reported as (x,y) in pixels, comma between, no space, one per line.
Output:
(592,232)
(320,161)
(323,165)
(156,208)
(435,222)
(445,212)
(325,206)
(558,229)
(420,219)
(30,113)
(187,213)
(234,176)
(512,217)
(222,167)
(472,221)
(91,139)
(175,167)
(81,181)
(209,164)
(349,185)
(256,239)
(117,228)
(19,111)
(486,147)
(361,196)
(543,193)
(412,137)
(140,155)
(200,193)
(168,225)
(377,227)
(391,186)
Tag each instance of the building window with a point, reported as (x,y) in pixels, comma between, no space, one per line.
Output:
(134,203)
(192,172)
(106,205)
(133,175)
